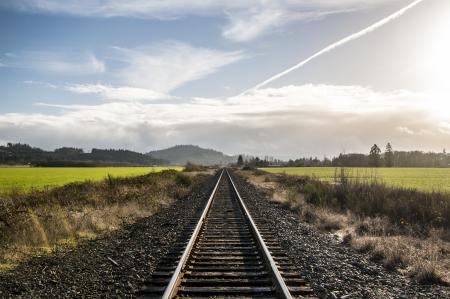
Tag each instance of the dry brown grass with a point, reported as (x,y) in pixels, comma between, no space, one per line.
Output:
(190,167)
(263,180)
(427,260)
(42,221)
(328,221)
(427,273)
(420,252)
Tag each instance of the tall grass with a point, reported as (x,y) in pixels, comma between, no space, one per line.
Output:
(190,167)
(402,206)
(40,220)
(397,227)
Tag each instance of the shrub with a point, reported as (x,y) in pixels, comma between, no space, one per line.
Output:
(183,180)
(364,244)
(330,221)
(377,256)
(347,239)
(194,167)
(425,273)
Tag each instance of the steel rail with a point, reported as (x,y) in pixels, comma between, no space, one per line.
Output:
(171,287)
(279,281)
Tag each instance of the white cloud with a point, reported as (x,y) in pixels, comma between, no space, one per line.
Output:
(166,66)
(90,65)
(174,8)
(117,93)
(40,83)
(107,92)
(405,130)
(145,73)
(247,19)
(132,8)
(250,24)
(289,121)
(53,62)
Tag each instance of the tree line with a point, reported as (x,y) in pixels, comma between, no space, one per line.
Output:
(375,158)
(391,158)
(22,154)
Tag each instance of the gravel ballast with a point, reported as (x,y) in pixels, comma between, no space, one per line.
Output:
(114,265)
(333,270)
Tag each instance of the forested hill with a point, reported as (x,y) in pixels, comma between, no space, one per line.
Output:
(182,154)
(20,154)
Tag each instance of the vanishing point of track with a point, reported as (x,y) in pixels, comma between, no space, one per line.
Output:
(228,254)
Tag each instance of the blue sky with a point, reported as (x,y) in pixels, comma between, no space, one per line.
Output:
(146,75)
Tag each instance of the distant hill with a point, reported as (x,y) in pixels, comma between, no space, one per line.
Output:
(181,154)
(66,156)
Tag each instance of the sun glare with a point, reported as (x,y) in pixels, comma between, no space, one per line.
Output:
(438,55)
(433,66)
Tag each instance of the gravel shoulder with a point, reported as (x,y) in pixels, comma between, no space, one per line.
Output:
(114,265)
(333,270)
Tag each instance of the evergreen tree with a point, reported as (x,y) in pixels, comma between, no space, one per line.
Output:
(240,161)
(374,156)
(389,155)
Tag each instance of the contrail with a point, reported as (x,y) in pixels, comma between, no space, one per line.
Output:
(337,44)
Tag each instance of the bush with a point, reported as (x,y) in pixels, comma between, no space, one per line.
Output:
(347,239)
(183,180)
(425,273)
(194,167)
(312,194)
(330,221)
(364,245)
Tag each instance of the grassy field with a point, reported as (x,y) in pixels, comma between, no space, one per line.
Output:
(26,178)
(422,179)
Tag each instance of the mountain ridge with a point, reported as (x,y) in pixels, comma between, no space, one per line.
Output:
(188,153)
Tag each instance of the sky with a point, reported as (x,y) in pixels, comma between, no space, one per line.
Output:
(146,75)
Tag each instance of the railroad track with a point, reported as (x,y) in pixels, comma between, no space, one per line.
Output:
(226,254)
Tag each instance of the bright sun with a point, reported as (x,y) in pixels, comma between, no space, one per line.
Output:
(439,54)
(435,65)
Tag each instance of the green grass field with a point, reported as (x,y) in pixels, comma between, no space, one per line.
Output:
(26,178)
(422,179)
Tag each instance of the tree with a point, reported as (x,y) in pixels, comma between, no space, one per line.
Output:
(389,155)
(374,156)
(240,161)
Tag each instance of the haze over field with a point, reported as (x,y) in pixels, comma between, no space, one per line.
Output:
(146,75)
